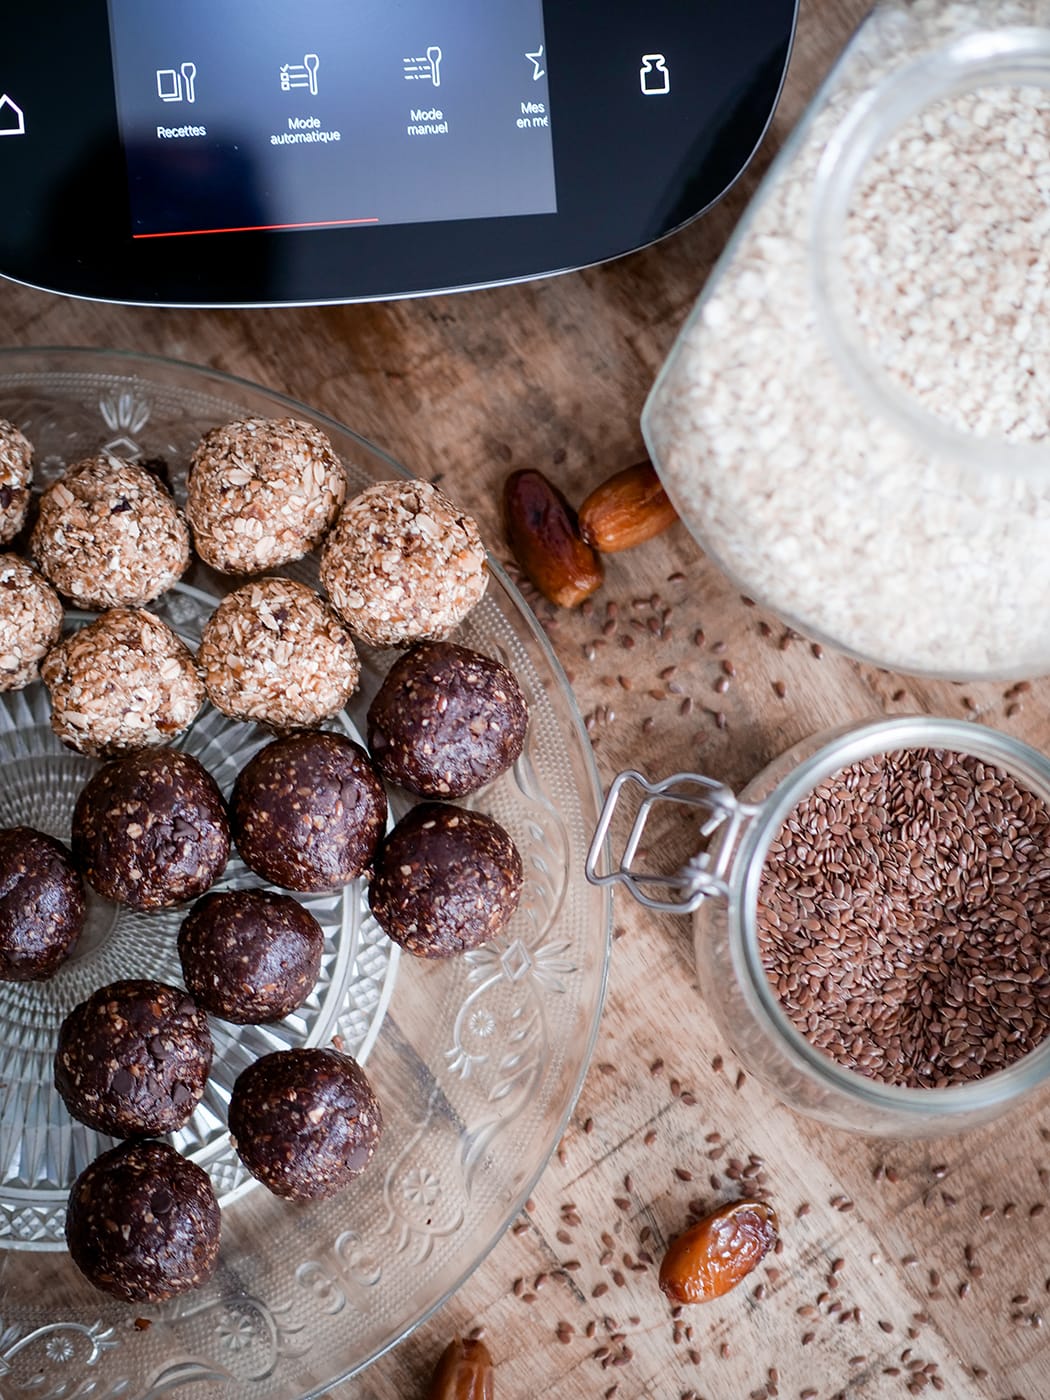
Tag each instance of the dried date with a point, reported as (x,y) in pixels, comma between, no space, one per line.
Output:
(543,533)
(463,1373)
(716,1253)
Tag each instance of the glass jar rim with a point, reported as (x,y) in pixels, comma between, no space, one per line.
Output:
(1018,55)
(846,747)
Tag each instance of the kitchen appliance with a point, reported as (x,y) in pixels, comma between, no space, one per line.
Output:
(236,153)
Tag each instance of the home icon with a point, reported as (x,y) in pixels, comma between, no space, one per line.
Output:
(12,118)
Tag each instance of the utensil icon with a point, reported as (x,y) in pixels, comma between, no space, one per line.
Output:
(177,85)
(426,68)
(300,75)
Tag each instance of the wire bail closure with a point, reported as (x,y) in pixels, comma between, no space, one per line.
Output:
(704,874)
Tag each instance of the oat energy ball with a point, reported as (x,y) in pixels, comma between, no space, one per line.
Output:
(277,653)
(304,1122)
(446,721)
(403,564)
(133,1059)
(109,534)
(30,622)
(261,493)
(308,811)
(150,830)
(143,1223)
(122,683)
(445,880)
(41,904)
(16,472)
(250,956)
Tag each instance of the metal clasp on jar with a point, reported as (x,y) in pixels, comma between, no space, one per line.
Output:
(705,873)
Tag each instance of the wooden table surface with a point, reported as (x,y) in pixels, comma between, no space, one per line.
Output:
(904,1267)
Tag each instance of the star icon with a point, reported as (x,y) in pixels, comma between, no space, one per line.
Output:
(535,59)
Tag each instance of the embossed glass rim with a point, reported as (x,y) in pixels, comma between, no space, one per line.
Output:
(127,363)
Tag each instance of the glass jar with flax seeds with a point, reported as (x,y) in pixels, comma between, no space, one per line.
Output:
(871,919)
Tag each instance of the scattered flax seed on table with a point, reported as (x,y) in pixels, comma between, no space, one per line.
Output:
(903,918)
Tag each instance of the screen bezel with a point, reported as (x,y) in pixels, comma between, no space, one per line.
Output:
(74,232)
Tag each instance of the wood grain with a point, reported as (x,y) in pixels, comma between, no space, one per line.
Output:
(553,375)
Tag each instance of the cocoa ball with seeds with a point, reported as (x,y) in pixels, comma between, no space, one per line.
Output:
(41,905)
(150,830)
(30,622)
(308,811)
(108,534)
(275,652)
(250,956)
(446,721)
(304,1122)
(262,492)
(445,880)
(403,565)
(143,1223)
(16,473)
(133,1058)
(122,683)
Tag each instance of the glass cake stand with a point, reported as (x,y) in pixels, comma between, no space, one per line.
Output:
(477,1061)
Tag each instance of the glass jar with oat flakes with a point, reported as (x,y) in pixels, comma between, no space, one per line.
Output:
(871,918)
(855,420)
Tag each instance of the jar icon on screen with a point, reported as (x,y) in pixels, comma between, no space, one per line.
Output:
(654,75)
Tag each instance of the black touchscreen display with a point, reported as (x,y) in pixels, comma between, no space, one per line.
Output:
(256,114)
(262,152)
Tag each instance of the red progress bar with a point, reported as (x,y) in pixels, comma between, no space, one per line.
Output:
(257,228)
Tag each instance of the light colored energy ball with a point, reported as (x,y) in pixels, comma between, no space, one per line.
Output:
(403,565)
(16,472)
(30,622)
(109,535)
(124,682)
(277,653)
(261,493)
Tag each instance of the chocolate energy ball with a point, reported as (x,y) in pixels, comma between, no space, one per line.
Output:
(143,1223)
(41,904)
(446,721)
(150,830)
(108,534)
(277,653)
(122,683)
(16,472)
(304,1122)
(403,565)
(133,1059)
(261,493)
(445,880)
(250,956)
(308,811)
(30,622)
